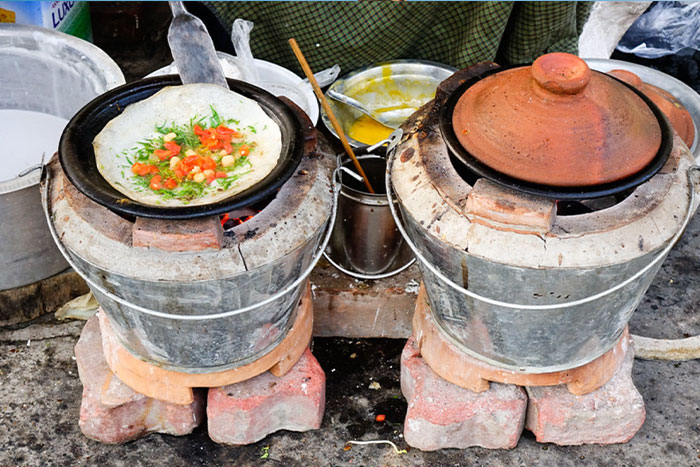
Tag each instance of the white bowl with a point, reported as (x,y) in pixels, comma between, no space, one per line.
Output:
(277,80)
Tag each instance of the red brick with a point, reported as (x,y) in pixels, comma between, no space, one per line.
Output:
(442,415)
(180,235)
(111,412)
(612,414)
(246,412)
(505,209)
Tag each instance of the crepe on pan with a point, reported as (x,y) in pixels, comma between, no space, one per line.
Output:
(134,135)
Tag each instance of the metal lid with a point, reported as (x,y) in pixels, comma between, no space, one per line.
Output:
(557,123)
(675,112)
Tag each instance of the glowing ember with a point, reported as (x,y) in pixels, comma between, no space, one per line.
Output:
(237,217)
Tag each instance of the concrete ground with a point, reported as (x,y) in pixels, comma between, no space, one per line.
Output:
(40,391)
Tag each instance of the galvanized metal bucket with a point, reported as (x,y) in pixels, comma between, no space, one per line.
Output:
(531,320)
(210,325)
(365,242)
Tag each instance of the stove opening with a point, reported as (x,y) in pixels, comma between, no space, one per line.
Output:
(585,206)
(239,216)
(564,208)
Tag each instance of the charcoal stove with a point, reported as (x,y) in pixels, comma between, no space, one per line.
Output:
(527,289)
(528,283)
(187,296)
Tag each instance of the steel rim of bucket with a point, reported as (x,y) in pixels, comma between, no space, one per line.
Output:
(359,275)
(291,287)
(555,306)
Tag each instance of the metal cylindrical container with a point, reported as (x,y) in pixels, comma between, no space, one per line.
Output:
(199,311)
(204,345)
(529,340)
(523,299)
(365,238)
(52,73)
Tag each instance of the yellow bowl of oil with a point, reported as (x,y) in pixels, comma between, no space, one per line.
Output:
(393,89)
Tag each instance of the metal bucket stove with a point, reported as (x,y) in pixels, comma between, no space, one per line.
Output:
(526,283)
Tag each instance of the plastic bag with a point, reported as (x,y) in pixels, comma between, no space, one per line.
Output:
(667,28)
(240,36)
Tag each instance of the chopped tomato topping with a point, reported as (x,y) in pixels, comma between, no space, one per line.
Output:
(180,173)
(208,164)
(190,160)
(139,169)
(224,132)
(210,178)
(156,183)
(173,147)
(162,154)
(152,169)
(220,174)
(244,150)
(169,183)
(198,130)
(227,146)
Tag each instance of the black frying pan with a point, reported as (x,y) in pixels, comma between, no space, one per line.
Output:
(556,192)
(77,156)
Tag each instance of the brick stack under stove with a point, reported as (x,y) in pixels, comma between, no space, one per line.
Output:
(288,395)
(456,401)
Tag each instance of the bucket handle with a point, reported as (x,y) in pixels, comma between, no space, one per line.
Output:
(692,183)
(45,182)
(358,275)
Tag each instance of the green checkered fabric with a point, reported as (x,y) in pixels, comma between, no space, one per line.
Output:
(355,34)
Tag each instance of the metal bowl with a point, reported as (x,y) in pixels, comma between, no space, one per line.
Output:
(406,83)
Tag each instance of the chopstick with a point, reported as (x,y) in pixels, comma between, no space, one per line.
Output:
(331,116)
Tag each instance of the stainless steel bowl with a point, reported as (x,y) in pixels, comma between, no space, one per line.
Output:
(384,86)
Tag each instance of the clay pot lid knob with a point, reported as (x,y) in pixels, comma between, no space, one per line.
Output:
(561,73)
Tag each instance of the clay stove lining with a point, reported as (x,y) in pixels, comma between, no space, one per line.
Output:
(435,196)
(102,237)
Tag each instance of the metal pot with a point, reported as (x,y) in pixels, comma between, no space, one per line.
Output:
(365,242)
(54,73)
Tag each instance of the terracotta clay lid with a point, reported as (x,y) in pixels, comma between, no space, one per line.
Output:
(557,123)
(679,117)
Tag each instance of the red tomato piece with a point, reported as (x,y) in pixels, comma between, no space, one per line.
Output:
(152,169)
(162,154)
(173,147)
(170,183)
(212,143)
(137,168)
(210,178)
(227,146)
(156,183)
(180,173)
(244,150)
(208,164)
(189,160)
(198,130)
(220,174)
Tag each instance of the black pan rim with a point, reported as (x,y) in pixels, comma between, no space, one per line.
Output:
(109,197)
(555,192)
